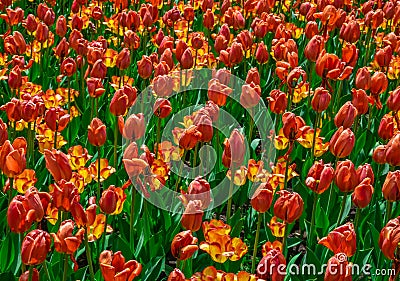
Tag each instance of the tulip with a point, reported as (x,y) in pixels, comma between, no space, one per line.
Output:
(204,125)
(218,92)
(3,132)
(311,29)
(12,157)
(250,96)
(163,85)
(291,125)
(379,83)
(42,32)
(199,189)
(123,59)
(262,53)
(338,269)
(66,242)
(320,100)
(189,138)
(162,108)
(25,275)
(379,154)
(384,56)
(350,31)
(35,247)
(186,60)
(184,245)
(345,176)
(341,240)
(253,76)
(277,101)
(30,23)
(319,177)
(268,267)
(58,165)
(389,238)
(346,115)
(99,69)
(134,127)
(392,151)
(84,218)
(192,216)
(61,26)
(362,194)
(119,103)
(342,142)
(289,206)
(15,78)
(68,67)
(176,275)
(112,200)
(386,127)
(234,150)
(64,194)
(95,87)
(235,53)
(145,67)
(208,19)
(393,102)
(114,267)
(391,187)
(365,171)
(314,48)
(360,101)
(97,134)
(262,199)
(363,79)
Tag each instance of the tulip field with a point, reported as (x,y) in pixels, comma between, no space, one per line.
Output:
(201,140)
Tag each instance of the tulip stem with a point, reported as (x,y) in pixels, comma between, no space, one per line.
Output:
(115,143)
(98,173)
(30,273)
(342,208)
(253,260)
(46,270)
(132,216)
(229,207)
(65,267)
(331,190)
(317,118)
(388,213)
(158,140)
(21,238)
(89,255)
(104,233)
(284,239)
(312,227)
(180,170)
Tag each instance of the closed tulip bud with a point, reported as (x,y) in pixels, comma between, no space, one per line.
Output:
(198,190)
(253,76)
(186,60)
(20,43)
(220,43)
(346,115)
(250,96)
(342,142)
(184,245)
(190,137)
(218,92)
(188,13)
(15,78)
(384,56)
(108,201)
(12,157)
(68,67)
(145,67)
(208,19)
(314,48)
(379,83)
(365,171)
(213,110)
(379,155)
(268,267)
(124,59)
(30,23)
(350,31)
(346,176)
(235,53)
(311,29)
(134,127)
(3,132)
(291,125)
(192,217)
(19,215)
(391,186)
(119,103)
(162,108)
(319,177)
(393,102)
(62,48)
(386,127)
(262,53)
(95,87)
(176,275)
(204,125)
(58,165)
(341,240)
(321,99)
(234,150)
(289,206)
(99,69)
(362,194)
(163,85)
(197,41)
(363,79)
(97,134)
(25,276)
(338,269)
(389,238)
(61,26)
(360,101)
(97,13)
(277,101)
(392,151)
(262,198)
(35,247)
(42,32)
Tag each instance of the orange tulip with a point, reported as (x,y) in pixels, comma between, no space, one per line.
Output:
(134,127)
(199,189)
(218,92)
(25,276)
(145,67)
(393,102)
(262,199)
(189,138)
(320,100)
(314,48)
(386,127)
(262,53)
(208,19)
(184,245)
(84,218)
(350,31)
(61,26)
(362,194)
(56,119)
(319,177)
(68,67)
(360,101)
(345,176)
(176,275)
(342,142)
(114,267)
(162,108)
(97,134)
(391,186)
(363,79)
(119,103)
(192,216)
(123,59)
(289,206)
(234,150)
(251,95)
(379,155)
(58,165)
(277,101)
(338,269)
(204,125)
(99,69)
(64,194)
(35,247)
(341,240)
(389,238)
(12,157)
(268,267)
(365,171)
(112,200)
(163,85)
(346,115)
(291,125)
(392,151)
(95,87)
(15,78)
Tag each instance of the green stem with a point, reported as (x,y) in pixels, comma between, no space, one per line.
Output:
(21,238)
(284,239)
(65,267)
(104,234)
(46,271)
(180,170)
(315,136)
(30,273)
(229,207)
(312,227)
(89,256)
(253,261)
(98,173)
(286,172)
(132,216)
(158,140)
(342,208)
(388,213)
(331,190)
(116,143)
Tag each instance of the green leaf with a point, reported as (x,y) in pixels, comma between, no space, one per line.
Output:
(153,268)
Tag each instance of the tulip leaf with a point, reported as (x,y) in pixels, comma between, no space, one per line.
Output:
(152,270)
(321,218)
